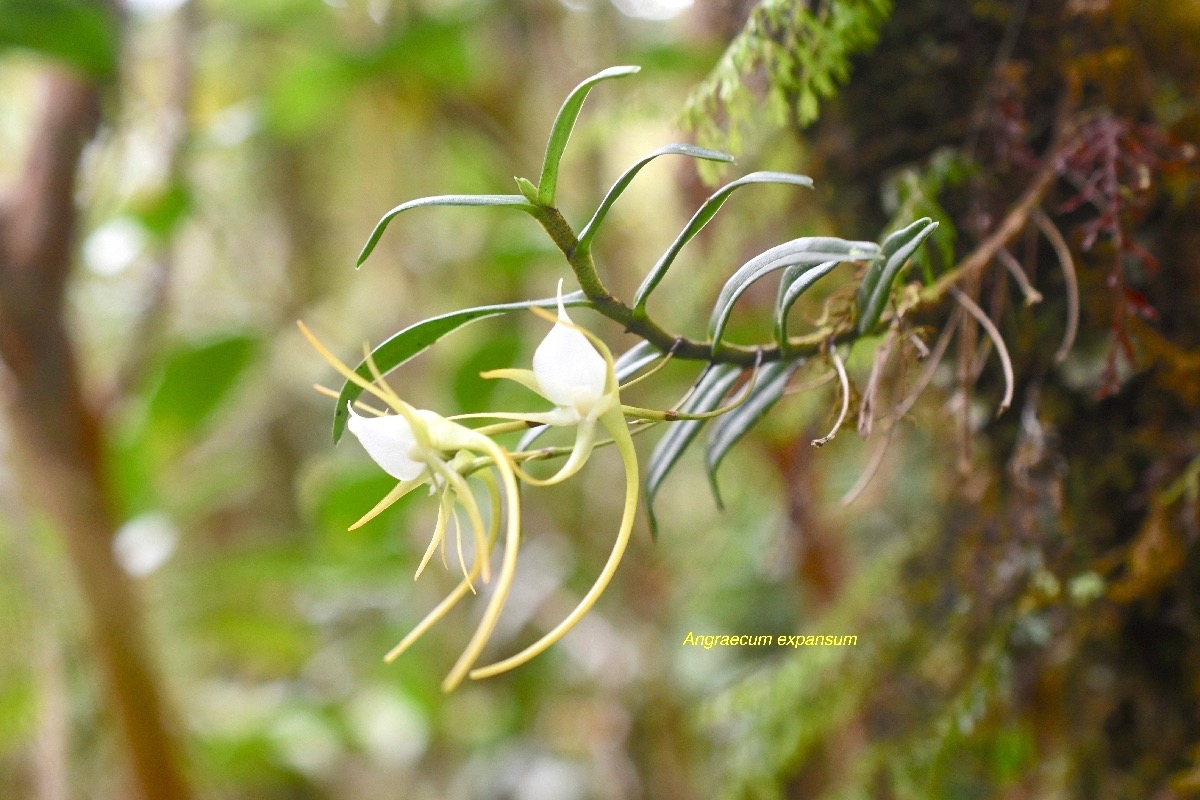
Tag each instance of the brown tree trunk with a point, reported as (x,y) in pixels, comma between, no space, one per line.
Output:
(57,433)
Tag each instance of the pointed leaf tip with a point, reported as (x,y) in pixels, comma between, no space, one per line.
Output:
(894,253)
(478,200)
(805,252)
(526,187)
(692,151)
(564,123)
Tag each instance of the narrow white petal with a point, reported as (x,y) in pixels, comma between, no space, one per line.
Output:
(390,441)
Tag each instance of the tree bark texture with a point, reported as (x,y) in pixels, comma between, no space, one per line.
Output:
(57,432)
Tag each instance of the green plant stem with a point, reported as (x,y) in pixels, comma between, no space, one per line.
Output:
(640,324)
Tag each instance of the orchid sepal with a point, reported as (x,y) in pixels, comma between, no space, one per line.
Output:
(525,377)
(403,488)
(614,421)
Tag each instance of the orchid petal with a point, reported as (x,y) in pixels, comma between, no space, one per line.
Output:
(402,488)
(522,376)
(585,441)
(570,372)
(439,532)
(459,591)
(555,416)
(508,569)
(462,560)
(390,442)
(463,492)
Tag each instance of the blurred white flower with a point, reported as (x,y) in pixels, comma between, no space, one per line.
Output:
(145,543)
(114,246)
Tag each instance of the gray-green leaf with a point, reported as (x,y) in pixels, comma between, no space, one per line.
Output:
(710,390)
(563,124)
(531,436)
(796,280)
(510,200)
(807,251)
(635,359)
(877,283)
(701,218)
(769,385)
(589,230)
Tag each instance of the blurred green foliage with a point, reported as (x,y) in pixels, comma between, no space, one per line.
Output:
(80,32)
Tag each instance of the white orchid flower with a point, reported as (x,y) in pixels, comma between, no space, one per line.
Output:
(391,442)
(573,370)
(570,371)
(419,447)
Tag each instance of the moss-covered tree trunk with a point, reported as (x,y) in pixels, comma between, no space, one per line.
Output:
(1044,638)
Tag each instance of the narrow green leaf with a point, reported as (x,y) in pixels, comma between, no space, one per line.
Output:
(416,338)
(635,359)
(710,390)
(887,249)
(706,212)
(589,230)
(807,251)
(876,285)
(563,125)
(769,385)
(796,280)
(511,200)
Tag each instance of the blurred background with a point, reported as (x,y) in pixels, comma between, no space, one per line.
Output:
(183,611)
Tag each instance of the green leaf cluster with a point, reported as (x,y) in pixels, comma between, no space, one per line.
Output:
(800,54)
